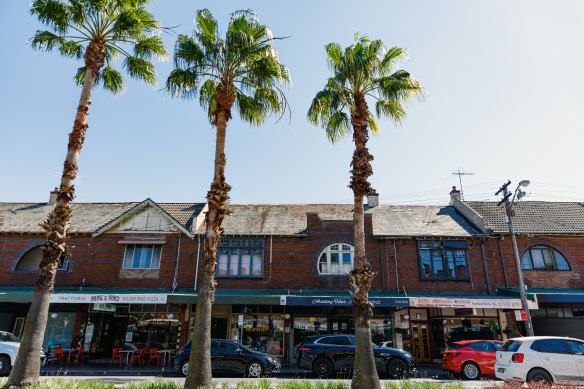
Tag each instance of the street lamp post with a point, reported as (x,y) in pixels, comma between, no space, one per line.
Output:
(509,219)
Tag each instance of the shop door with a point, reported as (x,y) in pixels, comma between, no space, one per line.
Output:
(421,341)
(218,327)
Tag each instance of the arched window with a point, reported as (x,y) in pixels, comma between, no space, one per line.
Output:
(336,259)
(31,261)
(543,258)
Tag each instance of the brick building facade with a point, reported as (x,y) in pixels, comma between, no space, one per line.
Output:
(443,273)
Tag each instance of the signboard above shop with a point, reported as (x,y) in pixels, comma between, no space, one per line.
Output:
(345,301)
(88,298)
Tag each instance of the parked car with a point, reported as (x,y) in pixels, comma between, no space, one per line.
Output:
(326,354)
(231,357)
(470,359)
(541,358)
(9,346)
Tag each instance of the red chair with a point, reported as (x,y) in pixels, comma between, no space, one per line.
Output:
(116,354)
(58,354)
(154,354)
(79,355)
(139,357)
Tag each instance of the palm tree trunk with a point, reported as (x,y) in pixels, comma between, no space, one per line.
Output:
(361,277)
(26,370)
(199,374)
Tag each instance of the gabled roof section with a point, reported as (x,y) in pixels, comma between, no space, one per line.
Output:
(178,210)
(534,217)
(388,220)
(88,218)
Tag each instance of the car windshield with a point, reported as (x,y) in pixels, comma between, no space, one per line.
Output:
(7,337)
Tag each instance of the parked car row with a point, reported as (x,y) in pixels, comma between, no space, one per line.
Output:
(538,358)
(9,346)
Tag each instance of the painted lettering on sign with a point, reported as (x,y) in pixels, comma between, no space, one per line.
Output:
(88,298)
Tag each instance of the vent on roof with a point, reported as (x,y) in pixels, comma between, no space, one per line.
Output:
(373,199)
(53,196)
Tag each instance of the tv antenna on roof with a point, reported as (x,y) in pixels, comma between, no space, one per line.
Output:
(460,173)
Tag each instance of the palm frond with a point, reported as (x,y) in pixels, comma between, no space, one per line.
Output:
(390,109)
(206,23)
(140,69)
(372,124)
(183,83)
(112,80)
(337,126)
(52,13)
(149,47)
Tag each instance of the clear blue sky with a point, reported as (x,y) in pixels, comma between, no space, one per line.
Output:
(504,81)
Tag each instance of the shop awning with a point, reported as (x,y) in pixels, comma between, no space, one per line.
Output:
(544,295)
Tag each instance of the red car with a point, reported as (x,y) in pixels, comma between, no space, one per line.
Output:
(471,358)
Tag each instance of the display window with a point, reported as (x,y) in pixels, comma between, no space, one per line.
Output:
(260,332)
(381,332)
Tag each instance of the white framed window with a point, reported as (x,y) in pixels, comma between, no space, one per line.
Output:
(240,258)
(336,259)
(142,256)
(31,261)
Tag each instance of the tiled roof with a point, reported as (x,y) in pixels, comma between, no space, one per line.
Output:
(259,219)
(534,217)
(388,220)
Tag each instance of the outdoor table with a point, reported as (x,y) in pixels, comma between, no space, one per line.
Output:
(165,352)
(129,354)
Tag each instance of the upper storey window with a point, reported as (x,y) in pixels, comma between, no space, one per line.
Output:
(543,258)
(443,260)
(142,256)
(31,261)
(336,259)
(240,258)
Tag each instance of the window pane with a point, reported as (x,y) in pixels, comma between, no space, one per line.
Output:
(334,267)
(450,270)
(156,257)
(234,262)
(335,247)
(548,259)
(426,264)
(128,256)
(526,261)
(346,248)
(460,259)
(347,266)
(550,346)
(222,263)
(142,257)
(437,264)
(561,261)
(257,262)
(245,263)
(537,257)
(322,264)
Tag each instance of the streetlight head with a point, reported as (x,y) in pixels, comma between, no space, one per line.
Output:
(524,182)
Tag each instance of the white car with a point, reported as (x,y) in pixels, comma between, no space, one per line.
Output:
(541,358)
(9,345)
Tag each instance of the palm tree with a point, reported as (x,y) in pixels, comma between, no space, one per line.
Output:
(364,69)
(98,32)
(242,69)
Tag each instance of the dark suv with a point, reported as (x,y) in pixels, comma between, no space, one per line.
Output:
(325,354)
(231,357)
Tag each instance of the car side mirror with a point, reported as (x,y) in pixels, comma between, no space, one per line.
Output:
(239,350)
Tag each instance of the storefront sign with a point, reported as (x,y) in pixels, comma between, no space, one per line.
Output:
(87,298)
(283,300)
(454,302)
(345,301)
(100,307)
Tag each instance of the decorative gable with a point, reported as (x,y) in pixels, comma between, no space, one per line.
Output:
(146,220)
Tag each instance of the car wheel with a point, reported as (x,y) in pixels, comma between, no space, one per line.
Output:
(397,368)
(4,365)
(255,369)
(538,375)
(322,367)
(184,368)
(470,371)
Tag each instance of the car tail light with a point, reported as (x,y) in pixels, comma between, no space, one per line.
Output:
(517,358)
(451,354)
(304,349)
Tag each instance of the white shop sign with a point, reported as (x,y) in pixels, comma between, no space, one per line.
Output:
(87,298)
(443,302)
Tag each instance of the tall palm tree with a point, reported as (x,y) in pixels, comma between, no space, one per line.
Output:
(242,69)
(363,70)
(97,31)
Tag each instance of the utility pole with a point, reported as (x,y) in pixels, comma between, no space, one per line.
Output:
(460,174)
(509,213)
